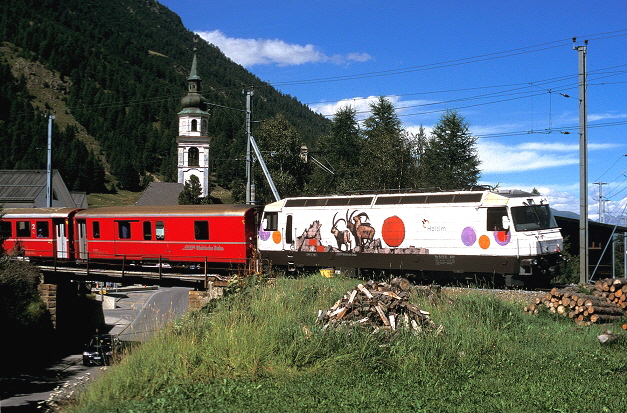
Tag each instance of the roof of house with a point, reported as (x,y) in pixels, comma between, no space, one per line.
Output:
(160,193)
(22,186)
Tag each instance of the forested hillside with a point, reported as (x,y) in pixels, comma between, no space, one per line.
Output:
(113,74)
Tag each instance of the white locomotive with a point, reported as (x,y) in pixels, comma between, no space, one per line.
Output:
(510,234)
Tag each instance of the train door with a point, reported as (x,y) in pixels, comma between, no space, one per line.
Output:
(61,239)
(82,239)
(288,240)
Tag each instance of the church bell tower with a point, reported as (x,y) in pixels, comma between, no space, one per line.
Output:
(193,140)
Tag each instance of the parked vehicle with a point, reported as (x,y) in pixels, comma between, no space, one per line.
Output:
(101,350)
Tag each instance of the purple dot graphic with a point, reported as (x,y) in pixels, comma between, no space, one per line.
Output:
(469,236)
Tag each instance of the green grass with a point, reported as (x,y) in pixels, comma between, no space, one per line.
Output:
(121,198)
(260,350)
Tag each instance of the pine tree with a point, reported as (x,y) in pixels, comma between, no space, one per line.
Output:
(450,160)
(190,195)
(280,145)
(342,149)
(386,153)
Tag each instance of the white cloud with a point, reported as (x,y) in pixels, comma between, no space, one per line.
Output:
(360,104)
(602,116)
(499,158)
(249,52)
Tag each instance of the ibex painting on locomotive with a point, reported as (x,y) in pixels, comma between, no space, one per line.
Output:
(506,236)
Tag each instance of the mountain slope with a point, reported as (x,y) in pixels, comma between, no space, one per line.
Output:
(121,69)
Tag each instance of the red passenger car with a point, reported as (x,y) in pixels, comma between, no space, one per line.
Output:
(38,233)
(217,234)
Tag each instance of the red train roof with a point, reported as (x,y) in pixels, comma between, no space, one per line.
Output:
(171,211)
(37,213)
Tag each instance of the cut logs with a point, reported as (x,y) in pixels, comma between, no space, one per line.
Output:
(606,304)
(612,289)
(378,305)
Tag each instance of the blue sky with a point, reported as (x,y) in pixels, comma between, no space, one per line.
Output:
(505,66)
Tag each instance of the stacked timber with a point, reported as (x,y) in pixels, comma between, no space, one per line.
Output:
(583,308)
(380,306)
(612,289)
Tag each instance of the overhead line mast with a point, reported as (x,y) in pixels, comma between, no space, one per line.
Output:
(583,164)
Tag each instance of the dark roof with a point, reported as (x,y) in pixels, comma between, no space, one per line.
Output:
(22,185)
(80,199)
(160,194)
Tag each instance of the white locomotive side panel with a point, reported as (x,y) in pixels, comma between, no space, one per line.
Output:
(473,225)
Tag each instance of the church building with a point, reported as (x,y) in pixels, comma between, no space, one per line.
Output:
(193,140)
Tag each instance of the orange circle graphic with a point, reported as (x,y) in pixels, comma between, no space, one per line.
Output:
(393,231)
(484,242)
(276,237)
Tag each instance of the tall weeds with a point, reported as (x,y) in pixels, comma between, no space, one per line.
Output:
(261,349)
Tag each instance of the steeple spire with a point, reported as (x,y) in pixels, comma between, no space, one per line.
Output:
(192,74)
(194,99)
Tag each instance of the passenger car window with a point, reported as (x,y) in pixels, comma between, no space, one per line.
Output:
(43,230)
(6,230)
(124,229)
(201,230)
(23,229)
(147,231)
(160,230)
(95,229)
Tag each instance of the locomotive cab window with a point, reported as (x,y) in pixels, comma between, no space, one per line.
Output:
(147,231)
(124,229)
(201,230)
(160,230)
(95,229)
(23,229)
(6,230)
(533,217)
(43,230)
(495,219)
(271,221)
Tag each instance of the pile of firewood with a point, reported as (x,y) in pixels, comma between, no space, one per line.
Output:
(584,309)
(379,305)
(612,289)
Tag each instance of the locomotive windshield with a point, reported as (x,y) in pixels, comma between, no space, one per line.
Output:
(533,217)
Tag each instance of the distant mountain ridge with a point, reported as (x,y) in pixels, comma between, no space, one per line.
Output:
(115,73)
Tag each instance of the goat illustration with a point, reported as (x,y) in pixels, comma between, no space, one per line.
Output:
(362,231)
(342,237)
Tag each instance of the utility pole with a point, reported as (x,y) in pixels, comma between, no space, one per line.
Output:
(583,164)
(250,197)
(49,165)
(601,202)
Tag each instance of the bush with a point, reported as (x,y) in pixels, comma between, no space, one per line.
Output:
(23,316)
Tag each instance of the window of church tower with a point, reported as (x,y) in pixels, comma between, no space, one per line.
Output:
(194,125)
(192,157)
(204,125)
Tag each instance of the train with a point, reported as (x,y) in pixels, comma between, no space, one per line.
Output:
(508,236)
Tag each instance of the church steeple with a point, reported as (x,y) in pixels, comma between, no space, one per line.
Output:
(193,99)
(193,140)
